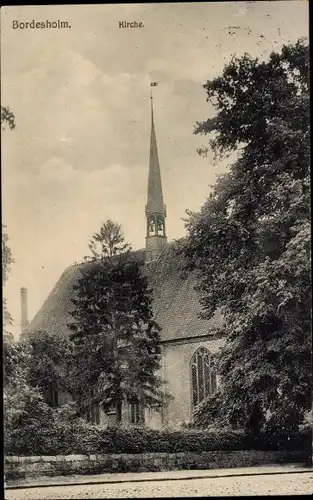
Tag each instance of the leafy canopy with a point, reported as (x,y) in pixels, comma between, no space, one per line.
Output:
(250,243)
(50,363)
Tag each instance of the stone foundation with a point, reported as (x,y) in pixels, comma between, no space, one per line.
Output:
(31,467)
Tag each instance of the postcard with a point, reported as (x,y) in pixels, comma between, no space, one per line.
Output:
(156,249)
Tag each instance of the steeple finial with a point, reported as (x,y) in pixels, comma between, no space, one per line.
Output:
(155,208)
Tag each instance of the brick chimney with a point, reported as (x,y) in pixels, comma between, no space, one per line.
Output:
(24,310)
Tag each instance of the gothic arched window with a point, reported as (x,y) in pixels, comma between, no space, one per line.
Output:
(203,378)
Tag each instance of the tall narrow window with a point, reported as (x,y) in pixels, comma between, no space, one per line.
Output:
(203,378)
(55,398)
(136,415)
(51,395)
(93,412)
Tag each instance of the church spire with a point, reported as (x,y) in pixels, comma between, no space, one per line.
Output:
(155,194)
(155,208)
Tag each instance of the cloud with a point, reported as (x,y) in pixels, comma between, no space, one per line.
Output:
(56,171)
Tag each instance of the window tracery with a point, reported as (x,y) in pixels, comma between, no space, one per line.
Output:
(203,378)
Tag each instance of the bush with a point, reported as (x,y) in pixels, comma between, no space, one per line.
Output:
(68,434)
(27,422)
(65,432)
(301,440)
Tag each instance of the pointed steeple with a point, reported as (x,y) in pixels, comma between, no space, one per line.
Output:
(155,202)
(155,208)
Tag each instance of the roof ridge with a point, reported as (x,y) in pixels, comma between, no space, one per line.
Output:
(175,303)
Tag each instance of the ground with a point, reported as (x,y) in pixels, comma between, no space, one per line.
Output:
(223,482)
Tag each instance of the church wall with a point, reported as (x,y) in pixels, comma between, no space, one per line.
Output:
(153,419)
(176,369)
(106,419)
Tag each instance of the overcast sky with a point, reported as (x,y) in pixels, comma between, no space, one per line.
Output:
(79,154)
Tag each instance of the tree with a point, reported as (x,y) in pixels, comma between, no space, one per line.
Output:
(33,427)
(16,359)
(23,405)
(109,241)
(50,362)
(7,261)
(27,419)
(250,243)
(7,258)
(7,117)
(117,341)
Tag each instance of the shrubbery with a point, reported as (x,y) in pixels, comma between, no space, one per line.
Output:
(64,434)
(38,429)
(27,421)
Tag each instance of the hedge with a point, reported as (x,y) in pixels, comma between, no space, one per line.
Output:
(82,438)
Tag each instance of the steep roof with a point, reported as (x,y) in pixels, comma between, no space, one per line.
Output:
(175,302)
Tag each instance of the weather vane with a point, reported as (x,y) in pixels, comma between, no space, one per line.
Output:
(152,84)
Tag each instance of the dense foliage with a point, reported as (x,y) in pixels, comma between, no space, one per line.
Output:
(50,366)
(250,244)
(24,408)
(30,423)
(16,360)
(7,261)
(117,352)
(117,342)
(66,434)
(7,258)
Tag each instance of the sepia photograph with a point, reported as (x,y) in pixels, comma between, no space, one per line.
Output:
(156,250)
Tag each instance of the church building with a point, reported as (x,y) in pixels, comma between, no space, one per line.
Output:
(187,342)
